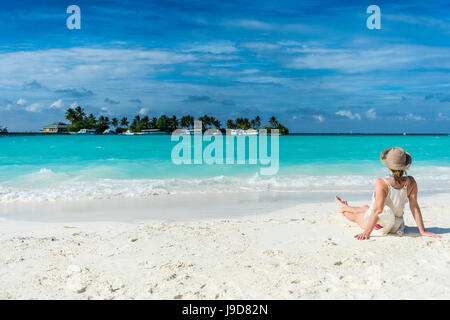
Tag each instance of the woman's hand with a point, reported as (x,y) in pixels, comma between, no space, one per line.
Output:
(363,236)
(430,234)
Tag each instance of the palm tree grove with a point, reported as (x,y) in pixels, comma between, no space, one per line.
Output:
(80,120)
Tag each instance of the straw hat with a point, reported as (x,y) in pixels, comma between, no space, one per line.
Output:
(396,158)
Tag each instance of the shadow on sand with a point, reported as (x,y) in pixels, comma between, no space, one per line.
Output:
(414,231)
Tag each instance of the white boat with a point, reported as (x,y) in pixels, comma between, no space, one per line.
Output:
(213,132)
(128,133)
(187,132)
(250,132)
(86,131)
(235,132)
(240,132)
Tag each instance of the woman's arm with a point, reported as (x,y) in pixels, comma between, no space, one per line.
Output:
(380,196)
(415,209)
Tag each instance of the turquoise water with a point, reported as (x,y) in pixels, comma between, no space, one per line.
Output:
(68,167)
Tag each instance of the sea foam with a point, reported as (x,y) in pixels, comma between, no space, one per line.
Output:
(46,185)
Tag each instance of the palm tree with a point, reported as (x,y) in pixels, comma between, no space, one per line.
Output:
(80,114)
(206,120)
(215,122)
(154,123)
(173,123)
(145,122)
(90,122)
(102,124)
(243,123)
(77,117)
(139,123)
(114,122)
(136,124)
(103,119)
(71,115)
(124,122)
(162,123)
(283,130)
(239,123)
(187,121)
(274,122)
(256,123)
(230,124)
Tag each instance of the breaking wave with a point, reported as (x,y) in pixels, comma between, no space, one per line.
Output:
(46,185)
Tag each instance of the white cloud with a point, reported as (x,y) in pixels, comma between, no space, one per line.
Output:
(106,112)
(21,102)
(371,114)
(219,47)
(411,116)
(35,107)
(442,116)
(143,111)
(60,68)
(74,104)
(264,80)
(291,43)
(348,114)
(394,57)
(57,104)
(250,24)
(319,118)
(261,25)
(418,20)
(259,46)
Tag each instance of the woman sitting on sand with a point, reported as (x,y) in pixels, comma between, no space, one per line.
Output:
(385,215)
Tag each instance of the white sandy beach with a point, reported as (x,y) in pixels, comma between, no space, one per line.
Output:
(305,251)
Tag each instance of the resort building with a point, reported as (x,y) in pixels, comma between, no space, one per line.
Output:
(58,127)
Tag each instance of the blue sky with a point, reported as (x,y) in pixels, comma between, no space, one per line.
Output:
(313,64)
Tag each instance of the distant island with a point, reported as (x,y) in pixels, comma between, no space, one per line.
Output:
(82,123)
(143,124)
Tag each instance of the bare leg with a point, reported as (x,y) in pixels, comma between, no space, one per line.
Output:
(353,214)
(346,208)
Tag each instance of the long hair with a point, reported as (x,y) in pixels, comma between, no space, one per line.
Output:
(398,174)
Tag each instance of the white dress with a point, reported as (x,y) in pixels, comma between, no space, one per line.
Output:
(391,219)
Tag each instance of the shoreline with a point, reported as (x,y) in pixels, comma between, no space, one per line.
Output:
(306,251)
(289,134)
(170,207)
(181,206)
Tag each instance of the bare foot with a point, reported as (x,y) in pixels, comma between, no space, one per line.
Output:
(341,203)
